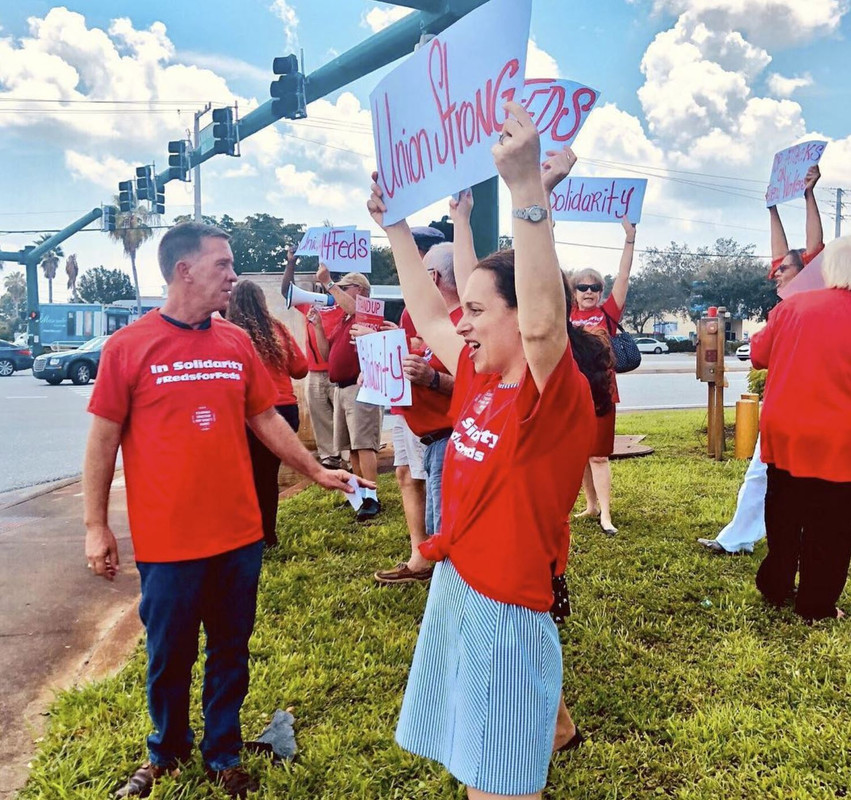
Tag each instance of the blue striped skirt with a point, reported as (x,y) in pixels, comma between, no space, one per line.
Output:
(484,688)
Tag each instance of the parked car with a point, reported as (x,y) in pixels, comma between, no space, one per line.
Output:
(13,358)
(648,345)
(80,365)
(743,352)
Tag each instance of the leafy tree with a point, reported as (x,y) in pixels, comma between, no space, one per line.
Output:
(102,285)
(132,230)
(383,267)
(259,242)
(49,263)
(737,280)
(13,304)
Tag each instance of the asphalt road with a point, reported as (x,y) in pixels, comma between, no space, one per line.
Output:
(43,428)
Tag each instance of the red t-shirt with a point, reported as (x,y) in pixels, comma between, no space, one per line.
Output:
(330,318)
(182,398)
(343,363)
(296,367)
(595,321)
(429,409)
(806,414)
(513,469)
(805,257)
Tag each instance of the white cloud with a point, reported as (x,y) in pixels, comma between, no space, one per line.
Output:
(103,171)
(286,13)
(539,63)
(379,18)
(316,191)
(244,170)
(785,87)
(225,65)
(770,23)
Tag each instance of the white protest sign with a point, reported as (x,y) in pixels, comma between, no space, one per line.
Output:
(340,249)
(808,279)
(598,199)
(437,115)
(558,109)
(383,381)
(789,170)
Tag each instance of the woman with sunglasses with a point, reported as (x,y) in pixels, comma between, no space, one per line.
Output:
(748,524)
(595,316)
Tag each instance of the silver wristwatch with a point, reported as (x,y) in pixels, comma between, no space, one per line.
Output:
(532,213)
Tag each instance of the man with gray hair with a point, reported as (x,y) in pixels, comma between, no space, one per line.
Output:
(426,421)
(175,391)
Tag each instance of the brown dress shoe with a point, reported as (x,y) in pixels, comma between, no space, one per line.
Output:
(142,781)
(234,780)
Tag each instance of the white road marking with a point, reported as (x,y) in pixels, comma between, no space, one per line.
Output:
(27,397)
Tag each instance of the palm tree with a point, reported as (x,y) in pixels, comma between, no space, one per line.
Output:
(49,263)
(16,285)
(132,229)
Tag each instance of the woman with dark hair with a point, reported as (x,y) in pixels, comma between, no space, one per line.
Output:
(284,360)
(483,692)
(601,318)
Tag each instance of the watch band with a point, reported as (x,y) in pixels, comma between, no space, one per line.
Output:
(329,286)
(533,213)
(435,380)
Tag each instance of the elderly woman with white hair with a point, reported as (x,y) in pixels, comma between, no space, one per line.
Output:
(806,441)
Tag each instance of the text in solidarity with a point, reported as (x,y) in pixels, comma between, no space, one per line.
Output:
(202,369)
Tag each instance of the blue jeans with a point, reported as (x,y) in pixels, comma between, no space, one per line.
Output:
(219,592)
(433,463)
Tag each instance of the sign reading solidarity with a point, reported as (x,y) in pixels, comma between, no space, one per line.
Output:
(598,199)
(369,312)
(789,170)
(437,115)
(383,381)
(558,109)
(340,249)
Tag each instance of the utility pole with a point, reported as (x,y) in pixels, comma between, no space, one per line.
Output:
(838,229)
(197,144)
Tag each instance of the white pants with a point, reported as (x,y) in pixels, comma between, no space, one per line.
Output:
(748,524)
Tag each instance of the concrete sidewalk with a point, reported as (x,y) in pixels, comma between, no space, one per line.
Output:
(58,625)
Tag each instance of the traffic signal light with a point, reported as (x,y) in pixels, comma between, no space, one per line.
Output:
(178,160)
(288,99)
(159,204)
(34,316)
(108,218)
(225,136)
(145,187)
(126,196)
(446,227)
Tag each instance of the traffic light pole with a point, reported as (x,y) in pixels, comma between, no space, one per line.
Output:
(485,217)
(29,257)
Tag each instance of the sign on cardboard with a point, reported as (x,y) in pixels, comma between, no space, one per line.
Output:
(558,109)
(383,381)
(369,312)
(340,249)
(437,115)
(789,170)
(598,199)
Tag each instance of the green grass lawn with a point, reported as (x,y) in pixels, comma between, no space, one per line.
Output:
(686,684)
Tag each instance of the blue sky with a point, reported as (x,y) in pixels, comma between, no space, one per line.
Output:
(694,92)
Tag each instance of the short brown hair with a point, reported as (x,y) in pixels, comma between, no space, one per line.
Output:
(181,240)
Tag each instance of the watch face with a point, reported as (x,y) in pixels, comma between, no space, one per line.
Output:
(536,213)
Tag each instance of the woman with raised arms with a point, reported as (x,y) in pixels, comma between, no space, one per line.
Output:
(485,682)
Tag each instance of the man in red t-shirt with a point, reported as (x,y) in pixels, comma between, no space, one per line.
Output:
(175,391)
(320,391)
(357,426)
(426,424)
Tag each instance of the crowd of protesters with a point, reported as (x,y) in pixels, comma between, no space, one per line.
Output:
(513,412)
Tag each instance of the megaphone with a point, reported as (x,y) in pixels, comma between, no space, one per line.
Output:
(299,297)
